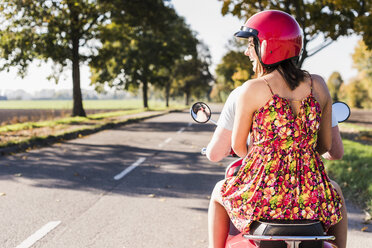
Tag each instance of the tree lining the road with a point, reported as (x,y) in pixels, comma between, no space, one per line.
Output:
(334,84)
(146,38)
(358,93)
(234,69)
(64,32)
(192,76)
(149,46)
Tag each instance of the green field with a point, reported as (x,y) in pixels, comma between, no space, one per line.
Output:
(88,104)
(353,173)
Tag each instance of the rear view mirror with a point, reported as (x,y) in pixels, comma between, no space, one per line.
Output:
(341,111)
(200,112)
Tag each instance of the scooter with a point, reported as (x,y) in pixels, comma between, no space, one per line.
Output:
(280,233)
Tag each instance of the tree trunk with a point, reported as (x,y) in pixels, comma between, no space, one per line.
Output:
(304,54)
(167,89)
(187,96)
(144,94)
(77,109)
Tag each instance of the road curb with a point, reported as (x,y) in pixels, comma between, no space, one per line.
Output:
(39,142)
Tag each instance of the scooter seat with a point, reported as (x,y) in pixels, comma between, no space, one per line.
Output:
(284,228)
(287,228)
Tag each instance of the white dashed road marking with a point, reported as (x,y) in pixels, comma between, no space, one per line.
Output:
(181,130)
(165,142)
(130,168)
(39,234)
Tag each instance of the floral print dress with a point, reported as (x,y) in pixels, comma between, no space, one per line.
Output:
(282,176)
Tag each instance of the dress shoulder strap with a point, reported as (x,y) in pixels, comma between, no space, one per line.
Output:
(311,85)
(267,83)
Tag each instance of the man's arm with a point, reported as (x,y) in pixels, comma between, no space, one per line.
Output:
(220,144)
(337,149)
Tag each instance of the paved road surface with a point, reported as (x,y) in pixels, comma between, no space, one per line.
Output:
(141,185)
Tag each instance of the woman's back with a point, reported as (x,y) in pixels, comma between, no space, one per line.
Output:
(286,124)
(277,85)
(282,176)
(258,92)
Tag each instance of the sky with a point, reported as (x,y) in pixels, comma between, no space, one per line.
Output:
(204,17)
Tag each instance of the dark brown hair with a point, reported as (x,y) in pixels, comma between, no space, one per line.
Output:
(290,72)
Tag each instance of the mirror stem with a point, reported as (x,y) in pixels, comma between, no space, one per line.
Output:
(214,122)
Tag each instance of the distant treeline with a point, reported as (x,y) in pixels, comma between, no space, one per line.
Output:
(50,94)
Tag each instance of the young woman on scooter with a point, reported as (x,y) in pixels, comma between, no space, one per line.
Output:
(289,113)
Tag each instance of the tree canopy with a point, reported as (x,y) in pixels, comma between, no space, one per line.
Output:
(127,44)
(140,50)
(234,69)
(362,58)
(192,76)
(63,31)
(359,91)
(334,84)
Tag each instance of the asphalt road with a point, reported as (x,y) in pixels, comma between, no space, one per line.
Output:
(140,185)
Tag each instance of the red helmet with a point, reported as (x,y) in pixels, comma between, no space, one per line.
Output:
(277,35)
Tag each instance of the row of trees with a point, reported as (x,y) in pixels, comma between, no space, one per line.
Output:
(152,45)
(134,45)
(127,44)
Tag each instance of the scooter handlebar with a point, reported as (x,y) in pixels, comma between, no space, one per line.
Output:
(232,153)
(203,151)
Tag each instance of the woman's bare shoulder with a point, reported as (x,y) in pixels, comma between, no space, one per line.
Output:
(255,92)
(320,88)
(253,86)
(318,81)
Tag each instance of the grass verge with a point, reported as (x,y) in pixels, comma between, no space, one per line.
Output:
(24,136)
(66,121)
(353,173)
(88,104)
